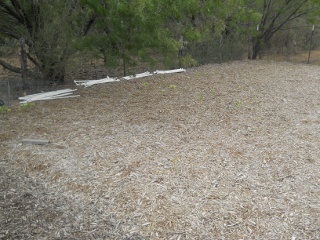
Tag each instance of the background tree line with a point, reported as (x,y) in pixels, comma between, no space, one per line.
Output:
(50,33)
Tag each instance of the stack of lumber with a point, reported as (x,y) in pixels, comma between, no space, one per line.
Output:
(64,93)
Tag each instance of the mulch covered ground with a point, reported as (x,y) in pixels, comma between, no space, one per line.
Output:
(225,151)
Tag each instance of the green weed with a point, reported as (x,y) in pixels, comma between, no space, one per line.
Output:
(26,105)
(172,87)
(238,104)
(213,92)
(4,109)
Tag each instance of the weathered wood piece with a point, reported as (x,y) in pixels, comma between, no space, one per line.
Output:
(35,141)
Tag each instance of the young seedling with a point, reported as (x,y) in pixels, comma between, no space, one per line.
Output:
(172,87)
(238,104)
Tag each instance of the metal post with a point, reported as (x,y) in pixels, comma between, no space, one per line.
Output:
(9,96)
(23,61)
(310,46)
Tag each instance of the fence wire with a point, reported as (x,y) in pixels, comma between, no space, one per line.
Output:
(5,96)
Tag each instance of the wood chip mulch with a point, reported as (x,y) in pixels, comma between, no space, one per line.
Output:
(224,151)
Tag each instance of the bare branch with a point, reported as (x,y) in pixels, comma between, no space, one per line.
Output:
(14,68)
(10,67)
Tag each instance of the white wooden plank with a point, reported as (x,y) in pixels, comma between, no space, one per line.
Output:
(169,71)
(64,93)
(49,98)
(139,75)
(87,83)
(46,94)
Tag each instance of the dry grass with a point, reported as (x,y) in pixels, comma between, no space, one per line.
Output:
(226,151)
(299,57)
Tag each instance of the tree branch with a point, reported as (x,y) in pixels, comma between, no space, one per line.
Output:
(88,26)
(10,67)
(34,61)
(13,68)
(12,13)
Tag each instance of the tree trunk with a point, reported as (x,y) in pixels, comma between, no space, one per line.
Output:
(250,49)
(254,48)
(256,51)
(54,74)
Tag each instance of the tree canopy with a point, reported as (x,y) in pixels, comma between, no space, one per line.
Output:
(123,32)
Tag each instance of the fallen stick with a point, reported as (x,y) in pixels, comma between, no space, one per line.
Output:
(35,141)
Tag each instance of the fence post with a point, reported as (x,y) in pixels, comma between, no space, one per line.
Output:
(23,60)
(310,46)
(9,95)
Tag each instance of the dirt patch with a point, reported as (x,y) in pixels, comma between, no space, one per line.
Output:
(224,151)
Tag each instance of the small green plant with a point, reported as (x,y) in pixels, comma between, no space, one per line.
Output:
(187,61)
(4,109)
(145,84)
(206,74)
(174,161)
(172,87)
(213,92)
(238,104)
(26,105)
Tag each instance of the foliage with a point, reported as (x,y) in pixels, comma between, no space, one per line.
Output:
(126,32)
(26,105)
(4,109)
(48,27)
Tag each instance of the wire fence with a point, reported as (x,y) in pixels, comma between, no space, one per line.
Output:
(5,97)
(294,44)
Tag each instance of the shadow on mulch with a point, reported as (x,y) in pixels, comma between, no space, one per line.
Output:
(29,211)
